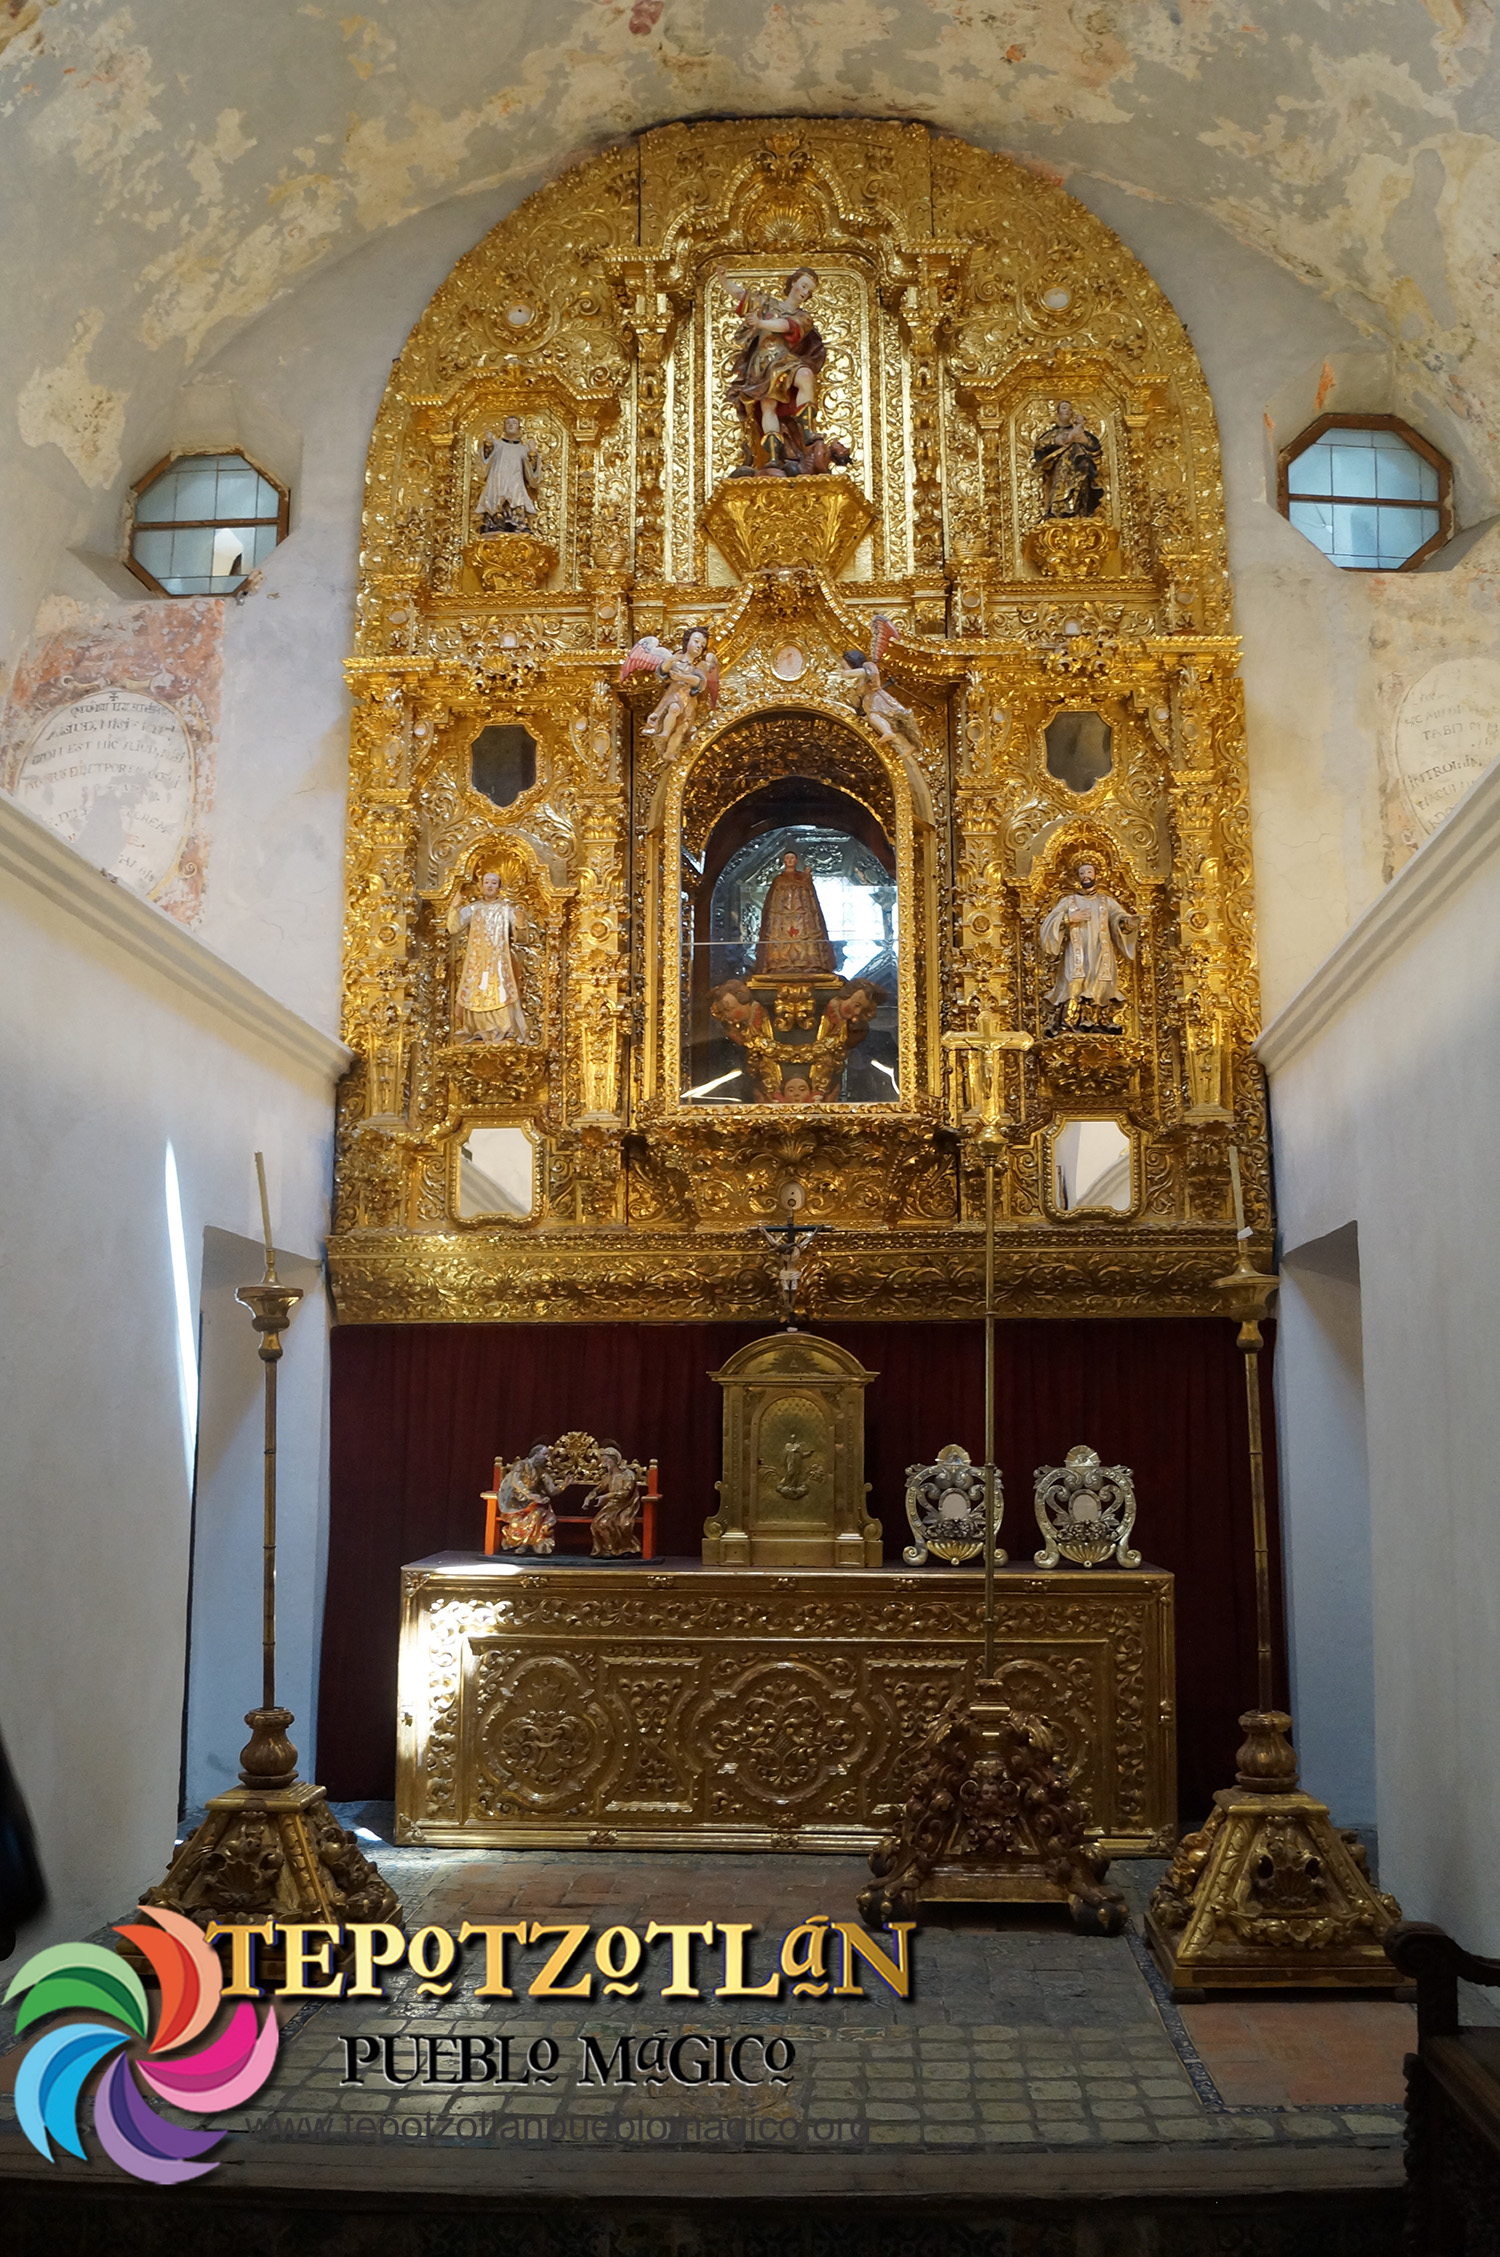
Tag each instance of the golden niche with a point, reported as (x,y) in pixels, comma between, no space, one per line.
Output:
(793,1490)
(826,563)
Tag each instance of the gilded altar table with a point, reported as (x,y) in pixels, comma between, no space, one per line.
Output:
(665,1705)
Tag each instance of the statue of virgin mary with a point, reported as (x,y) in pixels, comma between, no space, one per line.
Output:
(793,936)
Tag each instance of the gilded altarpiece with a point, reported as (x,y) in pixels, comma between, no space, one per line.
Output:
(1065,694)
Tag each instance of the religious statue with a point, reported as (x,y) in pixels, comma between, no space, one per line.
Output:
(691,674)
(525,1521)
(1070,457)
(793,936)
(778,358)
(1086,929)
(888,717)
(615,1501)
(488,1001)
(508,502)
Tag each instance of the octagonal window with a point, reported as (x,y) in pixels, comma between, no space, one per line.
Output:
(202,523)
(1368,491)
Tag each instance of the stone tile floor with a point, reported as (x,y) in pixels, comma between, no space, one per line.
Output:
(1019,2035)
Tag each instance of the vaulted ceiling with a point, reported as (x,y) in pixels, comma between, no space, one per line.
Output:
(168,169)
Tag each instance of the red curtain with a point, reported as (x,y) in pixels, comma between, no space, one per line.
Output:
(420,1412)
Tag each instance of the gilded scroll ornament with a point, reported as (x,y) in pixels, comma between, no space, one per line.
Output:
(1085,1511)
(945,1507)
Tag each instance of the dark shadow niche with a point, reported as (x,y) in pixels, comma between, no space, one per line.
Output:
(504,762)
(1078,749)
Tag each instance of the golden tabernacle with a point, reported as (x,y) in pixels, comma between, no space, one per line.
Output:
(632,1707)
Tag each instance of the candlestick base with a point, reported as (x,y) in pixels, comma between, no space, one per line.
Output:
(991,1818)
(271,1849)
(1270,1894)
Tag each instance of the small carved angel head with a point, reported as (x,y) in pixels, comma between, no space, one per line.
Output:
(694,643)
(731,1003)
(796,1090)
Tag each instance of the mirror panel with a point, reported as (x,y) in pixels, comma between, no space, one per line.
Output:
(496,1173)
(1091,1167)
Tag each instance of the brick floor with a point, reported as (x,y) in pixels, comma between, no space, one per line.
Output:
(1304,2052)
(1018,2033)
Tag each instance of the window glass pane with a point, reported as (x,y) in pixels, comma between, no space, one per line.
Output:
(194,491)
(1427,479)
(1315,519)
(267,500)
(1312,472)
(1402,533)
(1396,473)
(1354,534)
(153,551)
(1353,467)
(192,552)
(259,542)
(237,495)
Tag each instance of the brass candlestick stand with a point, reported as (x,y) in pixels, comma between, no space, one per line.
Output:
(1269,1895)
(991,1817)
(270,1849)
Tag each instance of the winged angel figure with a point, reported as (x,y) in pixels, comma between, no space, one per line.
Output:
(691,675)
(887,716)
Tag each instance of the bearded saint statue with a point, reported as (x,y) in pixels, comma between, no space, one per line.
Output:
(793,936)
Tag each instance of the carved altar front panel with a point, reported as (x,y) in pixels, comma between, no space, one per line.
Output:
(566,1707)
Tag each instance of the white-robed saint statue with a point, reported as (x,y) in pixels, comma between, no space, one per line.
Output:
(508,502)
(488,1002)
(1089,930)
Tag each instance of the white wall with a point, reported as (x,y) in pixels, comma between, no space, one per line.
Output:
(1385,1091)
(121,1036)
(224,1614)
(1325,1507)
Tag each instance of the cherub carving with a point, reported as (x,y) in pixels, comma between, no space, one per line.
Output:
(691,674)
(887,716)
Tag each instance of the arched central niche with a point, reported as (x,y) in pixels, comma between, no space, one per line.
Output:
(849,865)
(803,853)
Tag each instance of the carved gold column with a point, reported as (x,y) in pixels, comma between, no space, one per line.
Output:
(650,298)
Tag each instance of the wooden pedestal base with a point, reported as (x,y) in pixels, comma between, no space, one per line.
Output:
(271,1849)
(1270,1895)
(991,1819)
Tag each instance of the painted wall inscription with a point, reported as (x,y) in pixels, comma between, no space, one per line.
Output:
(108,739)
(1447,733)
(112,773)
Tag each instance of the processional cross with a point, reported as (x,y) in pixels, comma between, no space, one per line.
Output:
(985,1050)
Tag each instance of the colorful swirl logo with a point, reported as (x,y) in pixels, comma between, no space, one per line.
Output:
(70,1978)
